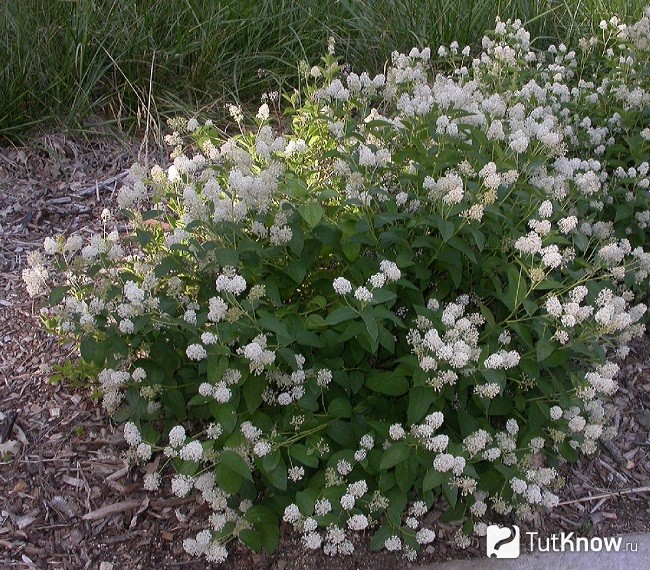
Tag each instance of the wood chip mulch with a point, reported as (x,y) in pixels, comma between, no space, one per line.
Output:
(67,498)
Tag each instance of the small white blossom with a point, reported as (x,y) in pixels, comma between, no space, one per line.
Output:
(393,543)
(177,436)
(196,352)
(396,431)
(322,507)
(358,522)
(193,451)
(342,286)
(425,536)
(291,514)
(363,294)
(132,434)
(390,270)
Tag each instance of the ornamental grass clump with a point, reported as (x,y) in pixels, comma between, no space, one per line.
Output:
(413,290)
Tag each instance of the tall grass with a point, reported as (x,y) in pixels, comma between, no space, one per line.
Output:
(124,60)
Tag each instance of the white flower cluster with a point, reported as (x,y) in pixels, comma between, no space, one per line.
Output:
(139,450)
(388,273)
(342,286)
(444,462)
(449,188)
(203,545)
(230,282)
(35,276)
(457,347)
(369,158)
(111,384)
(609,313)
(503,359)
(257,354)
(425,434)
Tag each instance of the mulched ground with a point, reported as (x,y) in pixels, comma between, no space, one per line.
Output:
(68,500)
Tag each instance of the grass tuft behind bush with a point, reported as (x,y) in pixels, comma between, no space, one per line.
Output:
(125,61)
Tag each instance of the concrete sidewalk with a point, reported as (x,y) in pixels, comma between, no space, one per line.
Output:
(625,559)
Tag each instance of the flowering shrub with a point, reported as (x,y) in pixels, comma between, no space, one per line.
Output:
(416,292)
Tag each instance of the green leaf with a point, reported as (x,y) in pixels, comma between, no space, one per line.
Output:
(386,339)
(456,513)
(311,213)
(252,391)
(479,238)
(315,322)
(396,453)
(57,294)
(433,479)
(216,368)
(420,399)
(351,250)
(271,460)
(144,237)
(623,212)
(406,473)
(379,538)
(122,415)
(227,479)
(516,287)
(174,403)
(301,453)
(340,315)
(352,330)
(398,500)
(451,494)
(137,403)
(306,500)
(236,463)
(251,538)
(226,415)
(446,229)
(387,383)
(530,306)
(386,481)
(501,406)
(295,187)
(428,242)
(544,349)
(371,324)
(94,351)
(382,296)
(226,257)
(167,266)
(340,408)
(278,477)
(297,241)
(568,452)
(342,433)
(357,380)
(273,324)
(297,271)
(267,524)
(317,302)
(459,245)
